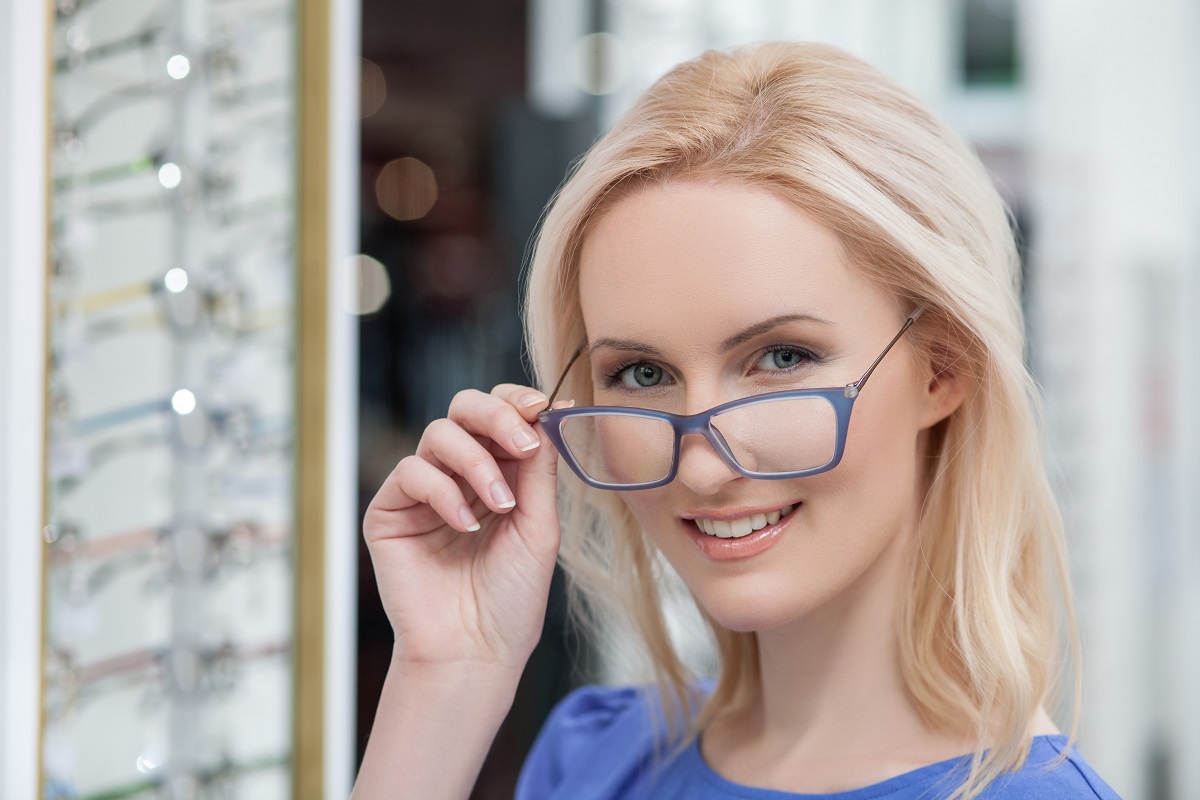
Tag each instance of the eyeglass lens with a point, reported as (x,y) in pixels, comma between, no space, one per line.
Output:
(772,436)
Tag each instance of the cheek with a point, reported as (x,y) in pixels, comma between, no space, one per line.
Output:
(872,490)
(886,420)
(649,508)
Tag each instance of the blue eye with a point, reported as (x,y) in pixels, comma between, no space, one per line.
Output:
(641,375)
(784,358)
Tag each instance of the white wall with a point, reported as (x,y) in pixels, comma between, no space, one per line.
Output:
(341,514)
(911,41)
(22,271)
(1115,112)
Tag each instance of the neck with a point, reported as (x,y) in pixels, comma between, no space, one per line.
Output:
(831,711)
(833,677)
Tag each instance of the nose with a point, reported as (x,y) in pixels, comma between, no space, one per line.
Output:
(701,468)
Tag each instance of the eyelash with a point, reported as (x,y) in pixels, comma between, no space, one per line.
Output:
(808,356)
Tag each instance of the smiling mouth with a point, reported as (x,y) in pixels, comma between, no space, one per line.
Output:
(737,528)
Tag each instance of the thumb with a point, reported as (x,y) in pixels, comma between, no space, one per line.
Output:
(536,488)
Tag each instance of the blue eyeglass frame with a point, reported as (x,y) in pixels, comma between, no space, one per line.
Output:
(840,397)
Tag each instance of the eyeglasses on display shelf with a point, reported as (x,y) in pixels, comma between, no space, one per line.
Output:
(226,778)
(187,438)
(181,306)
(170,551)
(157,676)
(171,532)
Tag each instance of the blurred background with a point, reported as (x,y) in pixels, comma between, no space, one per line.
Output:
(1087,115)
(178,345)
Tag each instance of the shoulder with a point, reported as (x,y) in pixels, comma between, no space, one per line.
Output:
(1047,774)
(597,736)
(597,744)
(598,712)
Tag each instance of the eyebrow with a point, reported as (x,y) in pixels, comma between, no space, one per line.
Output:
(739,338)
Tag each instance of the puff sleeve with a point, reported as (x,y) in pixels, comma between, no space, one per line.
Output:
(596,745)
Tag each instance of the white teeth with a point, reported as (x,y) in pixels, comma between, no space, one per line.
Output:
(734,529)
(741,527)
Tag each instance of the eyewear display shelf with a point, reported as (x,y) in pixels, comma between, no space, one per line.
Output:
(171,561)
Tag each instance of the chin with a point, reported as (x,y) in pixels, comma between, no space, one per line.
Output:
(753,609)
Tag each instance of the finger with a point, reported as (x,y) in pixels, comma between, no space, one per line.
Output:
(446,444)
(415,481)
(496,418)
(528,401)
(537,491)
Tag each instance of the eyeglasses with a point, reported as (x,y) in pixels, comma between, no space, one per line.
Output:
(772,436)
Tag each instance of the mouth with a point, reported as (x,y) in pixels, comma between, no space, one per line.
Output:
(738,538)
(742,526)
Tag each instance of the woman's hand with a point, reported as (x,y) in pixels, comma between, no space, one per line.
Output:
(463,535)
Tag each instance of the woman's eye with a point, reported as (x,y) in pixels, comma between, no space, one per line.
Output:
(642,375)
(783,358)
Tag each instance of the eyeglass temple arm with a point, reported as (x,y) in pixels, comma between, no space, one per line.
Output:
(854,388)
(566,369)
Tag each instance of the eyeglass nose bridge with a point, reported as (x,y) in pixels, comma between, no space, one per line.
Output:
(702,425)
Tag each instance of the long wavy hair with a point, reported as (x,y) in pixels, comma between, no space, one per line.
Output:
(987,634)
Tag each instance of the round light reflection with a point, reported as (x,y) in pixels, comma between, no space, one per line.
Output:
(176,280)
(183,402)
(77,39)
(149,760)
(372,88)
(178,67)
(406,188)
(169,175)
(369,286)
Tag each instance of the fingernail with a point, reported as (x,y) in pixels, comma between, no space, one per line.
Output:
(468,519)
(565,404)
(524,438)
(502,495)
(533,399)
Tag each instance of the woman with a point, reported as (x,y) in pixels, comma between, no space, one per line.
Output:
(884,586)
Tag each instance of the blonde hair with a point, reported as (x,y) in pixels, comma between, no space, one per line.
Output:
(982,633)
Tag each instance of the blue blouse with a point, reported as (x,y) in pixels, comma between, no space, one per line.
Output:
(598,745)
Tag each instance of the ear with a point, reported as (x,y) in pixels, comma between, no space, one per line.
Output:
(943,392)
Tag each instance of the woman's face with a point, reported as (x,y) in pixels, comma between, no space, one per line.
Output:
(694,294)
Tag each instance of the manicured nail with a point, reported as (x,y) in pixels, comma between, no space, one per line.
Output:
(468,519)
(533,399)
(565,404)
(524,438)
(502,495)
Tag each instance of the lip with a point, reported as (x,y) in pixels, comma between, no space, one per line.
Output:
(718,549)
(737,513)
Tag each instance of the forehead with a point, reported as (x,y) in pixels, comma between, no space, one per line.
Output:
(699,259)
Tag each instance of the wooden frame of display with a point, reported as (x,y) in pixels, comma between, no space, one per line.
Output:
(312,218)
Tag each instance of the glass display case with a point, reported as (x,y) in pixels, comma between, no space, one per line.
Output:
(185,362)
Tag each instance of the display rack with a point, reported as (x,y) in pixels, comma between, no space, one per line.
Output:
(182,340)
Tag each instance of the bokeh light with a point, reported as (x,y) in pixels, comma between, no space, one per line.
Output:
(78,39)
(406,188)
(178,67)
(183,402)
(176,280)
(149,760)
(368,284)
(372,88)
(170,175)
